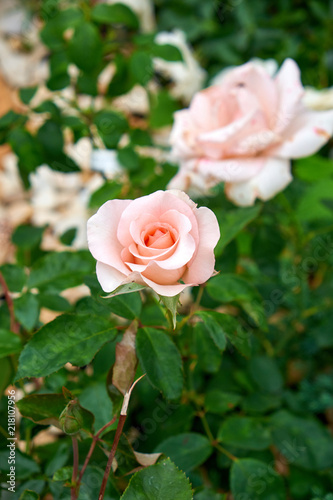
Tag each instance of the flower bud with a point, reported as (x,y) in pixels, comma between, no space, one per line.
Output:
(71,418)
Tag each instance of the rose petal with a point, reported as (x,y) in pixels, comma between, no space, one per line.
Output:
(193,182)
(165,290)
(155,273)
(138,224)
(102,233)
(274,177)
(308,133)
(256,81)
(290,91)
(183,135)
(231,170)
(201,268)
(145,259)
(109,277)
(156,203)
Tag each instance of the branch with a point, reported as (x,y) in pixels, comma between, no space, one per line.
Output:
(74,489)
(122,418)
(14,326)
(92,447)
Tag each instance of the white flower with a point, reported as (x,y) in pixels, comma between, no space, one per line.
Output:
(61,201)
(269,65)
(106,162)
(18,67)
(320,100)
(245,130)
(187,75)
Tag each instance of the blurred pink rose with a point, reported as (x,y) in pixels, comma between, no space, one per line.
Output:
(244,132)
(156,240)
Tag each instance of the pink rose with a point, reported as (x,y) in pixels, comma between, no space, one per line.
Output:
(157,240)
(244,132)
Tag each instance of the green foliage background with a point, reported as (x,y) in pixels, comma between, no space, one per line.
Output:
(239,396)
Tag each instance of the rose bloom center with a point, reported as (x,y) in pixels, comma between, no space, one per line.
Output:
(159,235)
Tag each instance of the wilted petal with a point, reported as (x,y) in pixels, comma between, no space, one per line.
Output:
(273,178)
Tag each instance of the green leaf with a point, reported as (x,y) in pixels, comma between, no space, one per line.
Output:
(230,287)
(313,197)
(60,270)
(171,304)
(27,94)
(85,47)
(25,466)
(187,451)
(69,338)
(59,63)
(95,398)
(121,83)
(220,402)
(247,433)
(56,24)
(10,343)
(125,289)
(115,14)
(233,222)
(213,329)
(126,306)
(27,237)
(9,119)
(49,107)
(51,138)
(162,108)
(53,302)
(208,494)
(63,163)
(162,481)
(313,168)
(129,158)
(160,359)
(111,126)
(28,151)
(109,191)
(68,236)
(63,474)
(87,84)
(208,356)
(304,442)
(265,372)
(58,458)
(59,81)
(259,402)
(29,495)
(141,67)
(140,137)
(233,288)
(26,310)
(167,52)
(232,329)
(46,409)
(7,374)
(257,480)
(14,276)
(43,409)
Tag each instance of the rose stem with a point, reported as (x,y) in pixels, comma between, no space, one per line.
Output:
(75,468)
(92,447)
(14,326)
(121,421)
(120,426)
